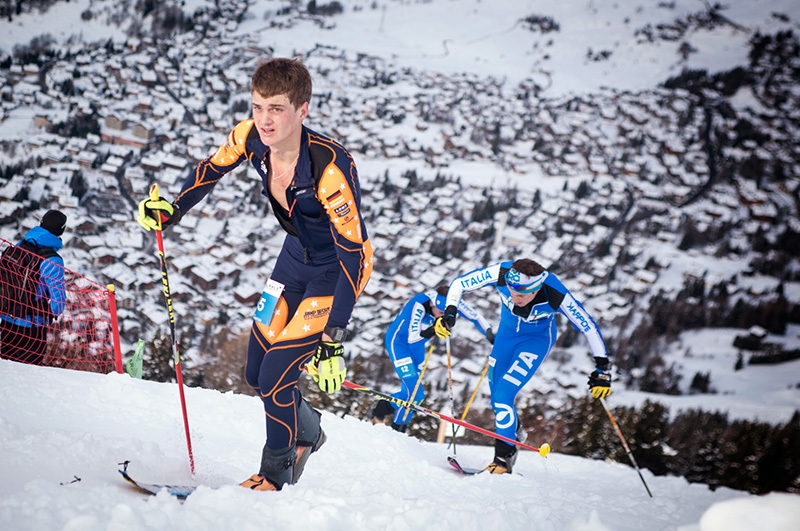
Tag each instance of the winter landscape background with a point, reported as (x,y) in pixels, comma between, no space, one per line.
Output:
(645,153)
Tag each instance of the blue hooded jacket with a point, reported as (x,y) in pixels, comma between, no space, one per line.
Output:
(51,277)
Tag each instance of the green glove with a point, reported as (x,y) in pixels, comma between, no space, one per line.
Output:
(329,361)
(157,214)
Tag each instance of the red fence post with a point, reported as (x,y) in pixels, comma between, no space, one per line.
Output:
(112,306)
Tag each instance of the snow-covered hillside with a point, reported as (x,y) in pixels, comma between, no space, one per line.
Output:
(63,434)
(482,130)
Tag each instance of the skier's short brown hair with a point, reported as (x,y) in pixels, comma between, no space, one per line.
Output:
(282,76)
(529,267)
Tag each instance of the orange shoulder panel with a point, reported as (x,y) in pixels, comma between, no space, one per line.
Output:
(336,196)
(234,146)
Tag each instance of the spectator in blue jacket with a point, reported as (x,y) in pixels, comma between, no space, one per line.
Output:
(28,308)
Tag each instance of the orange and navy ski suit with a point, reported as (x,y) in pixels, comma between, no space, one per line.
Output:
(325,263)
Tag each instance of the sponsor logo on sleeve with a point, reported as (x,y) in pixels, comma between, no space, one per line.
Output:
(475,280)
(337,202)
(578,314)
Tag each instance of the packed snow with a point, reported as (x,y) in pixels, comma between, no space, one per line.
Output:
(63,435)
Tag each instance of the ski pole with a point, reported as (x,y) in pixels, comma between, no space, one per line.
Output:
(543,450)
(475,392)
(175,352)
(450,385)
(625,444)
(424,366)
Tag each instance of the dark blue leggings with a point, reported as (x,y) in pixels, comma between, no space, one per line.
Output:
(278,352)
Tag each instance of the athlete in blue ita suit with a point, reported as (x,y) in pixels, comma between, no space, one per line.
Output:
(405,342)
(531,297)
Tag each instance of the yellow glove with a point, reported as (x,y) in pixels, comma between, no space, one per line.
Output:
(330,368)
(600,391)
(441,328)
(600,382)
(157,214)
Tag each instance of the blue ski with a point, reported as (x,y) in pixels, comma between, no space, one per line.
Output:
(462,470)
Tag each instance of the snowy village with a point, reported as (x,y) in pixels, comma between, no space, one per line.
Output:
(671,212)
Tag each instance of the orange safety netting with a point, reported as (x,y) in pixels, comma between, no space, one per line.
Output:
(82,337)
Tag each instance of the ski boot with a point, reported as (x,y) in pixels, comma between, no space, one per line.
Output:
(505,455)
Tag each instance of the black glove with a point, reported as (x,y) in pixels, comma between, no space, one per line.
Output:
(450,316)
(600,379)
(490,335)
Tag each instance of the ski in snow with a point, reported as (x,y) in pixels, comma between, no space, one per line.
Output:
(462,470)
(179,491)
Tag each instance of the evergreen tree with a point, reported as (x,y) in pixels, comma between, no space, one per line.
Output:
(701,383)
(658,378)
(779,465)
(694,436)
(158,360)
(741,447)
(588,433)
(646,430)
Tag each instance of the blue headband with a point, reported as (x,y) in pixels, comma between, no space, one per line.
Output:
(522,283)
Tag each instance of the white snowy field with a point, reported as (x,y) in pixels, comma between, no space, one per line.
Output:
(58,425)
(485,37)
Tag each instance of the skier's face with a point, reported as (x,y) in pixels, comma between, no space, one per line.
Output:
(521,299)
(277,120)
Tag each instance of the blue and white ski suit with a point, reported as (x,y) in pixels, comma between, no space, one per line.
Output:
(406,344)
(525,335)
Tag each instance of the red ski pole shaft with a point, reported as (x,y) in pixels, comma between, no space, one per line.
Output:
(543,450)
(175,351)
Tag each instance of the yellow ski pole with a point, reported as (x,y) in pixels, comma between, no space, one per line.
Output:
(450,384)
(424,366)
(475,392)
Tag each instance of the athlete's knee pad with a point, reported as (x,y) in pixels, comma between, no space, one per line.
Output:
(308,424)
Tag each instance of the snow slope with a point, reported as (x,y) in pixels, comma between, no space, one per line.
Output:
(58,425)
